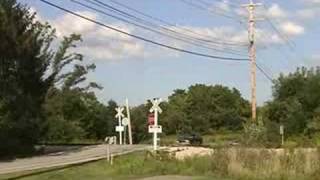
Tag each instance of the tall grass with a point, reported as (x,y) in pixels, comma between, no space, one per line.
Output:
(241,163)
(224,163)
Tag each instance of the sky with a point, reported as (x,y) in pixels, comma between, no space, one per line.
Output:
(130,68)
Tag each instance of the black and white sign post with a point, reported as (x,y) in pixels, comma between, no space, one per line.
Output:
(155,129)
(119,128)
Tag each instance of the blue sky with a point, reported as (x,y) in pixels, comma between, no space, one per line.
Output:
(127,67)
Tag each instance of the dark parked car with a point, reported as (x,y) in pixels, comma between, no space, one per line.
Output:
(193,139)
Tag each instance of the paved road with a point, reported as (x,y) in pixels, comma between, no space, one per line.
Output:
(84,154)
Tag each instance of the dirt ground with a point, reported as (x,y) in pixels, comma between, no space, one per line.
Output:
(188,151)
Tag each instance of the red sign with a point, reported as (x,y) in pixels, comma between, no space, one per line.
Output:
(151,119)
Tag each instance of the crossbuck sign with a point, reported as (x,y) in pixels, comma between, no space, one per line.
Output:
(119,128)
(155,129)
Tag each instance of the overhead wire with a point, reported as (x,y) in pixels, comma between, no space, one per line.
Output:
(205,8)
(206,38)
(153,25)
(264,73)
(151,29)
(222,58)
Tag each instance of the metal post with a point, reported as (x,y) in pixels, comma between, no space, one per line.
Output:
(124,135)
(155,138)
(108,152)
(120,132)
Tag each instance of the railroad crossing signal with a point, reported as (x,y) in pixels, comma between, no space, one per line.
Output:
(119,128)
(155,105)
(119,112)
(155,128)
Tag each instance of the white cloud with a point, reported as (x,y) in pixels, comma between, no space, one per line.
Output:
(275,11)
(223,5)
(230,34)
(99,43)
(291,28)
(68,24)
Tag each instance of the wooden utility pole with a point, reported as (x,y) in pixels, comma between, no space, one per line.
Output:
(252,56)
(129,122)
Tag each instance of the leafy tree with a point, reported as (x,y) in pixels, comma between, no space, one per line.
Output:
(296,102)
(30,72)
(174,118)
(24,58)
(139,120)
(205,109)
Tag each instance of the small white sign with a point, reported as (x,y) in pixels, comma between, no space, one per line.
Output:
(281,130)
(125,121)
(119,128)
(155,129)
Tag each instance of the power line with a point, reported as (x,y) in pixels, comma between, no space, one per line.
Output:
(142,38)
(183,29)
(156,31)
(281,34)
(226,2)
(221,58)
(153,25)
(264,73)
(204,7)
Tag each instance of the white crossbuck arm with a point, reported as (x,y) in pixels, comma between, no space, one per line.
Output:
(155,105)
(119,112)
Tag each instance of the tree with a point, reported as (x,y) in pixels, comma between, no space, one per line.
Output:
(24,55)
(30,72)
(205,109)
(139,122)
(295,102)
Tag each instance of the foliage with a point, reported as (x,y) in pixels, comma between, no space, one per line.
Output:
(24,61)
(43,92)
(205,109)
(139,122)
(201,108)
(296,103)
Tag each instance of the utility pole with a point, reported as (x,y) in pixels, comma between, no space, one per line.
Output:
(129,122)
(252,56)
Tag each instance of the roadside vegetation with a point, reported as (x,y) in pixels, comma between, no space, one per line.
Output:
(255,164)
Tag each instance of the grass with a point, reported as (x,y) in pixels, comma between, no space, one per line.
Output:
(224,164)
(133,166)
(218,139)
